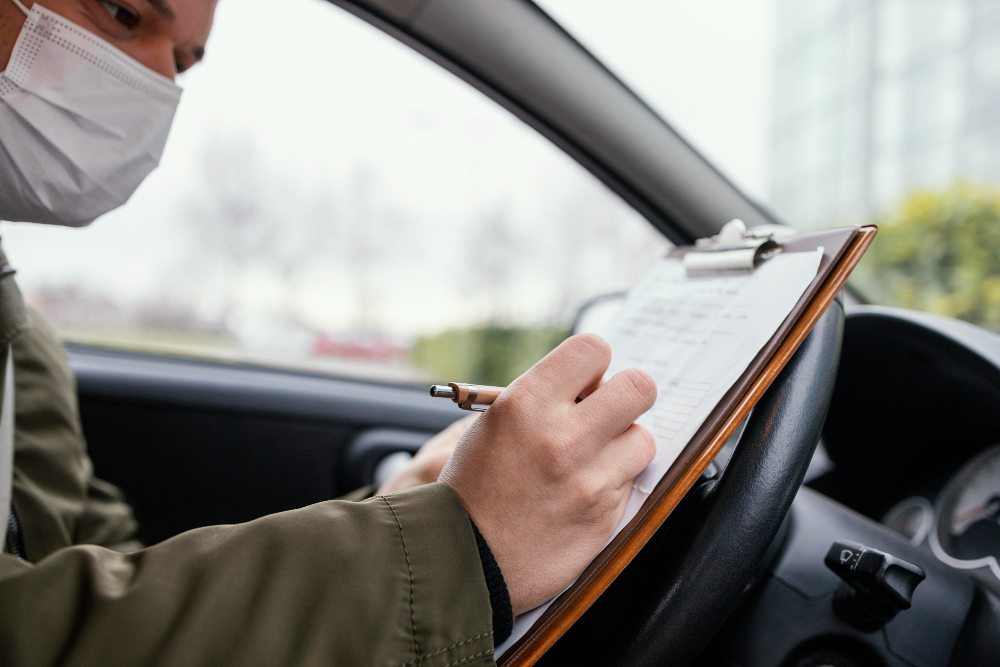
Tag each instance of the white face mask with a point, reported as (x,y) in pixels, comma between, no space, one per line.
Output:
(81,123)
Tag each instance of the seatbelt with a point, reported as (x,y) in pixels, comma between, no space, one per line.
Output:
(6,446)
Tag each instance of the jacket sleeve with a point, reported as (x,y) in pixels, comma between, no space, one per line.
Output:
(56,496)
(393,580)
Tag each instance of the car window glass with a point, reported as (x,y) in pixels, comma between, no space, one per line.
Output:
(836,112)
(333,201)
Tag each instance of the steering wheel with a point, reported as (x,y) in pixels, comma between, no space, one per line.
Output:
(673,598)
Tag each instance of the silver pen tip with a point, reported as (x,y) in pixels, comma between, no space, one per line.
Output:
(442,391)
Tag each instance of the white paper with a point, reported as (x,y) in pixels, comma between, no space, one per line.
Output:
(695,336)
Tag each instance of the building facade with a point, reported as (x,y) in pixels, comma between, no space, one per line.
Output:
(875,100)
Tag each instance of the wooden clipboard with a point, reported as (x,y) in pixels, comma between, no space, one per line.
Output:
(842,250)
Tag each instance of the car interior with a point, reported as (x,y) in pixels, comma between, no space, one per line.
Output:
(881,438)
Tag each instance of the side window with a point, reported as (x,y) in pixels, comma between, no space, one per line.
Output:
(330,200)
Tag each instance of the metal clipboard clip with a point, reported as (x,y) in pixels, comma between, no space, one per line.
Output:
(734,248)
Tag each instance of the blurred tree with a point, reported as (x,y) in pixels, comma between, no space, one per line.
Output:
(247,218)
(939,252)
(362,249)
(495,254)
(229,217)
(589,245)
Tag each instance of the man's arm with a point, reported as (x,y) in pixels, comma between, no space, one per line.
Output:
(58,500)
(327,583)
(393,580)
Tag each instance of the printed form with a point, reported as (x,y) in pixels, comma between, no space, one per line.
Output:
(695,335)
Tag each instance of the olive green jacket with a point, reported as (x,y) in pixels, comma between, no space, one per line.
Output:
(394,580)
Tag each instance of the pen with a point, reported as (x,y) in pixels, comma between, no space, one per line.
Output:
(475,397)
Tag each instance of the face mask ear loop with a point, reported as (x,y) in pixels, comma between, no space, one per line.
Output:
(22,7)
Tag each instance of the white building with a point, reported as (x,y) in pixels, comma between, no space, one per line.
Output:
(874,100)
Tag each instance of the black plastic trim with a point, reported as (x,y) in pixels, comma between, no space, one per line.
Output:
(199,385)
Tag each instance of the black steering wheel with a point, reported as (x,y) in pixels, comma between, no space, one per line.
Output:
(673,598)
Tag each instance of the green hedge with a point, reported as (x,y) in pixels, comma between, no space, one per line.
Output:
(487,354)
(939,252)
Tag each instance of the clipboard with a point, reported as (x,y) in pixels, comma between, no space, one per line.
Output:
(735,248)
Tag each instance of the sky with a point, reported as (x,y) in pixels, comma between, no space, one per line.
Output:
(322,121)
(704,66)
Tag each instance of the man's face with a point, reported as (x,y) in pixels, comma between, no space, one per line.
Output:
(168,36)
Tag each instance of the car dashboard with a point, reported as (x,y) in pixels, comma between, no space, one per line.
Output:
(908,468)
(913,434)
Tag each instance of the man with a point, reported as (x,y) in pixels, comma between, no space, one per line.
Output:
(428,575)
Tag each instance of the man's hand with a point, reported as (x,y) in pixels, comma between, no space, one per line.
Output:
(426,465)
(544,477)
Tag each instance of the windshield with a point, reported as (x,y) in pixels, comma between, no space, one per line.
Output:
(837,112)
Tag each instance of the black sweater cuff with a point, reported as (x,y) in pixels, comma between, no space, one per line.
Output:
(503,613)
